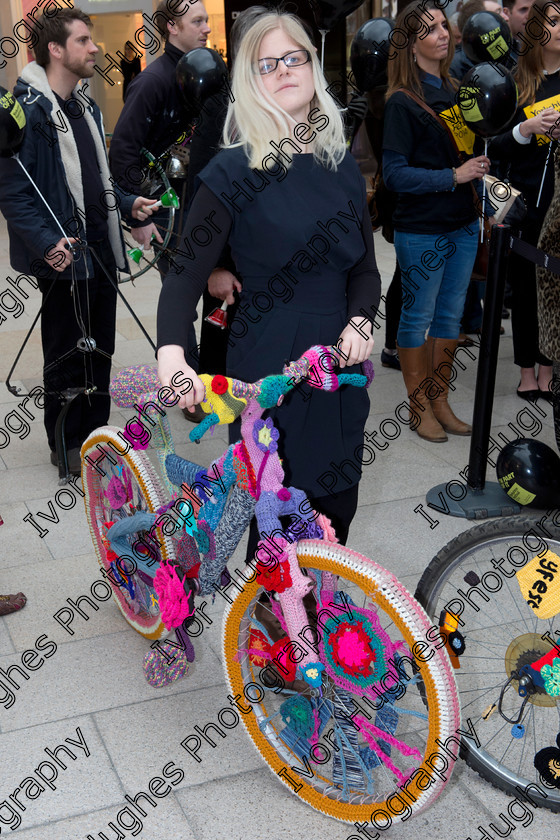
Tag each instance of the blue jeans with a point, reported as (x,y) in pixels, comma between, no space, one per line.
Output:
(436,270)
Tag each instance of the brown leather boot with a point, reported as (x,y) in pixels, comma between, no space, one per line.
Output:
(414,366)
(440,351)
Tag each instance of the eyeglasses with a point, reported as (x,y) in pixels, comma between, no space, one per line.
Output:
(296,58)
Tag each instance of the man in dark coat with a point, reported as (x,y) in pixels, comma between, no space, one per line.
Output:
(75,203)
(154,118)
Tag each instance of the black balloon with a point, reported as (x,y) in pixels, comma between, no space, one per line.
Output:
(327,13)
(369,53)
(12,123)
(487,99)
(200,73)
(486,37)
(529,472)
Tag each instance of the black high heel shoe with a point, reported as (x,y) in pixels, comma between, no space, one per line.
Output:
(530,396)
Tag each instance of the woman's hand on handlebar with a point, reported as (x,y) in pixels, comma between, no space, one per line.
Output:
(175,373)
(476,167)
(353,347)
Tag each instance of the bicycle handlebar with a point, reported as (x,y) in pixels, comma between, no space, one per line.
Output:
(226,398)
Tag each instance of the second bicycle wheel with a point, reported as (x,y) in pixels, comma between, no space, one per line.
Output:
(357,751)
(476,583)
(118,486)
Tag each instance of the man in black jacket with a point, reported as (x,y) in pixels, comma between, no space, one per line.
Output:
(64,151)
(153,116)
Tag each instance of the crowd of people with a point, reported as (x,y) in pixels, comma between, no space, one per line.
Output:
(266,168)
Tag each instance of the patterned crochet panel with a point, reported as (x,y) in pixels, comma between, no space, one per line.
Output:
(131,383)
(238,511)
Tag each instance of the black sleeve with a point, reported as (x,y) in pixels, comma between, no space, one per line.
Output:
(140,110)
(399,125)
(503,149)
(187,279)
(207,136)
(364,281)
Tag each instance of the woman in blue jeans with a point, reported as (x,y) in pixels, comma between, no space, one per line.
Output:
(436,228)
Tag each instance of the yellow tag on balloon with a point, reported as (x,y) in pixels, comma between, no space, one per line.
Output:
(468,102)
(533,110)
(539,582)
(464,137)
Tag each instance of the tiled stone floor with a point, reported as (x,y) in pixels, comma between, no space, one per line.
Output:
(91,688)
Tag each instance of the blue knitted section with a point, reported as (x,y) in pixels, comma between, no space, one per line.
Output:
(239,509)
(180,471)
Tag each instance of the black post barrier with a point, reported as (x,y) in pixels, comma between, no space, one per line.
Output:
(481,500)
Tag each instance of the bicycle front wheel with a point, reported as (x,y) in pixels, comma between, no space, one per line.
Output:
(366,745)
(475,579)
(118,486)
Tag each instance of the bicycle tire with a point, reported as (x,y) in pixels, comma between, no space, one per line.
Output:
(433,697)
(139,606)
(494,645)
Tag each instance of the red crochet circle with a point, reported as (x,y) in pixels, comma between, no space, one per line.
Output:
(219,384)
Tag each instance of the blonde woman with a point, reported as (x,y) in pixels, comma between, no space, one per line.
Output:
(289,199)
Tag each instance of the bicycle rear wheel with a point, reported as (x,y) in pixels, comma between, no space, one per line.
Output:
(474,577)
(354,752)
(115,487)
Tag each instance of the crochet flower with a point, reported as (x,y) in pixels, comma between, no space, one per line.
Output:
(219,384)
(297,712)
(116,493)
(312,673)
(265,435)
(551,676)
(351,648)
(274,577)
(136,434)
(173,600)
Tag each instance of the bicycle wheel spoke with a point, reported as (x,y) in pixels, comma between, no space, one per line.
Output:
(349,745)
(503,637)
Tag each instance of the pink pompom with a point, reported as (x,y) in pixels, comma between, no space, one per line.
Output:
(172,598)
(284,495)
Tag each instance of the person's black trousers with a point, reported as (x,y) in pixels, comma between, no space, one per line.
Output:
(94,301)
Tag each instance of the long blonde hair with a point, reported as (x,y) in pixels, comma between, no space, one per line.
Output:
(530,66)
(403,70)
(254,121)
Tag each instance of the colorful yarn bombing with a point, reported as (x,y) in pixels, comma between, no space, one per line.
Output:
(272,390)
(316,369)
(297,712)
(173,600)
(219,399)
(244,471)
(131,383)
(117,493)
(356,652)
(159,670)
(546,672)
(551,676)
(273,577)
(266,435)
(261,651)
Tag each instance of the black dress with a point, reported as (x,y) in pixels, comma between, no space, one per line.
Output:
(277,226)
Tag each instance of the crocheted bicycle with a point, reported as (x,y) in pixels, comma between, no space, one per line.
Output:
(347,689)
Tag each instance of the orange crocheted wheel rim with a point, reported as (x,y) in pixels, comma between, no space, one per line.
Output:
(344,811)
